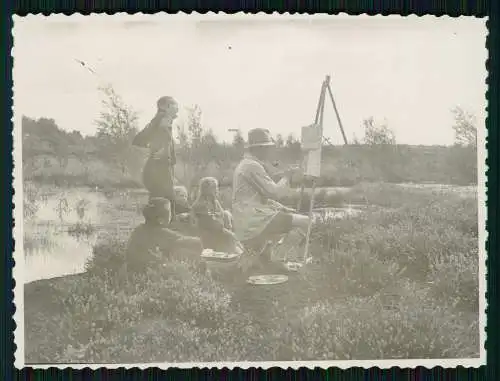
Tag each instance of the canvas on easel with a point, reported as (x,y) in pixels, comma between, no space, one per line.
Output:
(311,140)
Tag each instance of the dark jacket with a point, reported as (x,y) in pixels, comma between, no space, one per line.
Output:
(158,173)
(210,223)
(150,244)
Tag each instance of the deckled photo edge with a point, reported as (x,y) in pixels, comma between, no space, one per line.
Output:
(18,269)
(18,254)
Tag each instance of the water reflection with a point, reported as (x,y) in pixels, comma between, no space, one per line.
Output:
(61,254)
(58,240)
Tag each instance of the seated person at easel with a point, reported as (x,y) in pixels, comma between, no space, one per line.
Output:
(214,224)
(258,216)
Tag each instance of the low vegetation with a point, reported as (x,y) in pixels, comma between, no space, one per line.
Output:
(107,160)
(399,280)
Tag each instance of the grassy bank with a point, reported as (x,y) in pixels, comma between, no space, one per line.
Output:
(399,281)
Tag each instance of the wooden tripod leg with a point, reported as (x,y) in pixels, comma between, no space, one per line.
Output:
(313,190)
(302,186)
(336,112)
(309,227)
(318,119)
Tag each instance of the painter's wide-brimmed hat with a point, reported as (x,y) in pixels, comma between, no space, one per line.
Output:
(260,137)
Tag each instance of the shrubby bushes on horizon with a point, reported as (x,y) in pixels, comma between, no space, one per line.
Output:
(52,155)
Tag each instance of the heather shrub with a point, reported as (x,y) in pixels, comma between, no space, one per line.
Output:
(363,328)
(183,311)
(455,279)
(399,280)
(108,256)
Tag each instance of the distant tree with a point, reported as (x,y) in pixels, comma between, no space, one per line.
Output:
(117,125)
(210,150)
(208,140)
(183,150)
(293,146)
(195,129)
(464,127)
(182,136)
(279,141)
(56,140)
(201,143)
(238,140)
(377,134)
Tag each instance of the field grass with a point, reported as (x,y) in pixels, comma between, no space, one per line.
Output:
(397,281)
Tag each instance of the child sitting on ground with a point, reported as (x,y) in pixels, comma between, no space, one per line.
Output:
(214,223)
(153,241)
(182,207)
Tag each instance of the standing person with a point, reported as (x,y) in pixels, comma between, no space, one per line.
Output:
(158,173)
(214,224)
(258,216)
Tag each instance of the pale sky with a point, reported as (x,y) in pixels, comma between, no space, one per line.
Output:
(246,72)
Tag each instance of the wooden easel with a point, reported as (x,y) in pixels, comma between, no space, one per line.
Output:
(325,87)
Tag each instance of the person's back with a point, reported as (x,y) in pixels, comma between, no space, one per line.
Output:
(243,190)
(258,216)
(213,222)
(149,244)
(153,242)
(252,200)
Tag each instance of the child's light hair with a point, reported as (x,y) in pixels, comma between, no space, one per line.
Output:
(181,190)
(204,185)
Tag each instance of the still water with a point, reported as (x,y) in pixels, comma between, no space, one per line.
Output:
(59,237)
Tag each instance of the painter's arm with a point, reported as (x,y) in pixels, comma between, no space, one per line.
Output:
(266,186)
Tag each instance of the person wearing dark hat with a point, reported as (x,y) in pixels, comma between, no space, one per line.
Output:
(151,242)
(158,173)
(258,217)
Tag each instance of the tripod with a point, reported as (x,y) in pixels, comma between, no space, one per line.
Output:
(318,121)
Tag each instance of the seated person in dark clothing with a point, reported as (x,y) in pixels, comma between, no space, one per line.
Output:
(213,222)
(151,242)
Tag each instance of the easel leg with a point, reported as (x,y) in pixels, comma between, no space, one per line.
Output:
(318,119)
(336,113)
(309,227)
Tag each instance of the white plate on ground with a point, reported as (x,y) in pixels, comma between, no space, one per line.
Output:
(267,279)
(293,266)
(218,256)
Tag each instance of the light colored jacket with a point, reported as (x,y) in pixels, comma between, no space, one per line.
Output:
(254,199)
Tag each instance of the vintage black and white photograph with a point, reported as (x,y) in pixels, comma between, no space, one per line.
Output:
(249,190)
